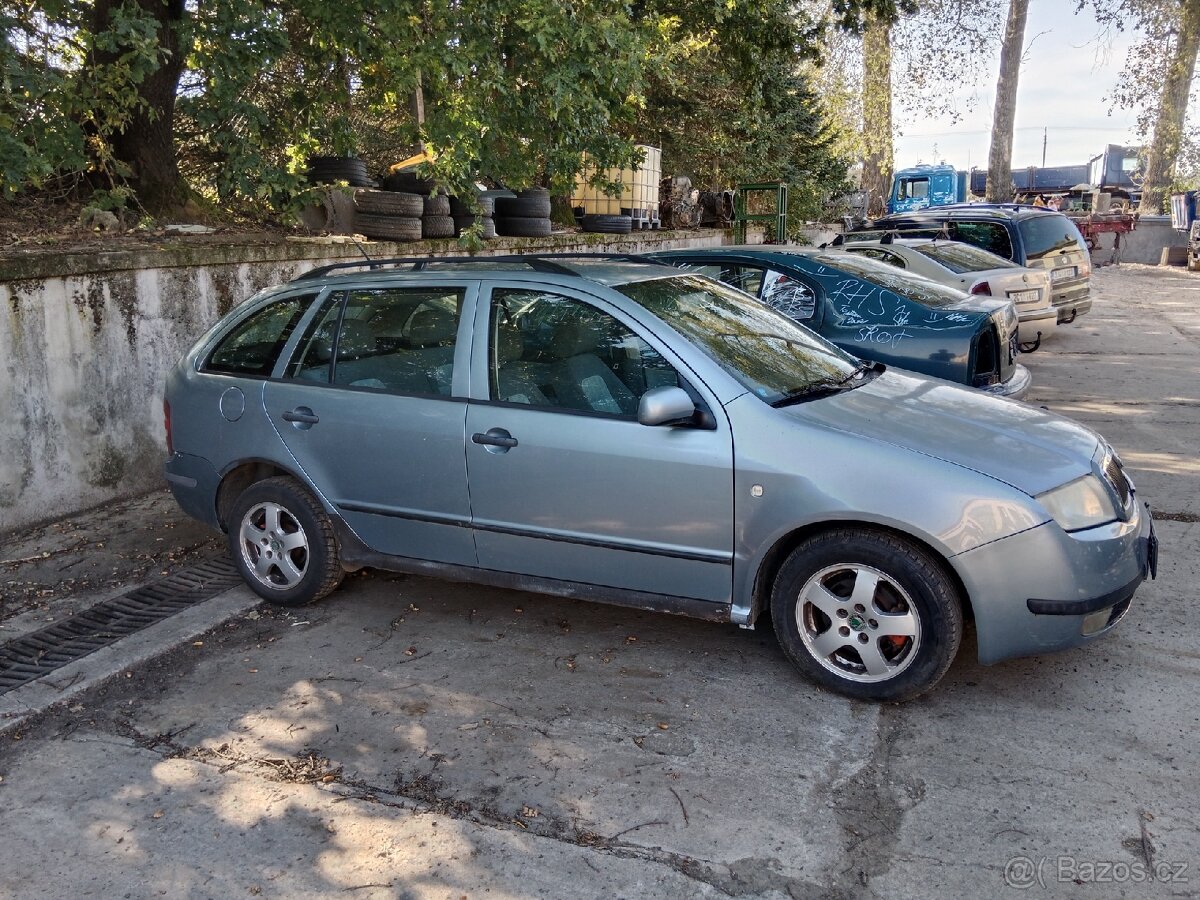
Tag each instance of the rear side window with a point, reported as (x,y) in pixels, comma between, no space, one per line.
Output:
(991,236)
(1049,235)
(252,348)
(399,340)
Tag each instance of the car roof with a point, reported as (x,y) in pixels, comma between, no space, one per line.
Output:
(982,211)
(599,268)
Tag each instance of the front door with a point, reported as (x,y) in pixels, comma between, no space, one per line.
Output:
(564,482)
(372,406)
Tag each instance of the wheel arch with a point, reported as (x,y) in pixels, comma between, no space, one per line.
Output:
(774,558)
(242,474)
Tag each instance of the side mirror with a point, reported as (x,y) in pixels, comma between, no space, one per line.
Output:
(665,405)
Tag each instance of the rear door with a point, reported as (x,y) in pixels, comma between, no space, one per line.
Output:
(565,483)
(372,406)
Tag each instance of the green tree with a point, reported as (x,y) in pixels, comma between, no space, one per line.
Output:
(1157,81)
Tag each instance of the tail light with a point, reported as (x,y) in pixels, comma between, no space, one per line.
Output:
(167,426)
(981,287)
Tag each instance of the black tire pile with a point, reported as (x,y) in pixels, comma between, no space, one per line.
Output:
(525,215)
(464,216)
(332,169)
(389,215)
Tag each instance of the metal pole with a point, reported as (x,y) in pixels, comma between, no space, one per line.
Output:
(1043,147)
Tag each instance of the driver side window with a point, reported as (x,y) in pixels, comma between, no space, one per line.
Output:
(552,351)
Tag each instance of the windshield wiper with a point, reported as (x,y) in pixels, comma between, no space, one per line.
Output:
(828,387)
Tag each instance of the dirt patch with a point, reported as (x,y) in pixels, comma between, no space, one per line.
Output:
(118,544)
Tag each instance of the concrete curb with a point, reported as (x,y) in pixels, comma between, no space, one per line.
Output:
(36,697)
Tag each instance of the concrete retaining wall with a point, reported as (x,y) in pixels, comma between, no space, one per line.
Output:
(1144,244)
(87,338)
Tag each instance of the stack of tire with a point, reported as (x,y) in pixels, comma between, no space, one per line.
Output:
(435,219)
(525,215)
(601,224)
(465,215)
(332,169)
(389,215)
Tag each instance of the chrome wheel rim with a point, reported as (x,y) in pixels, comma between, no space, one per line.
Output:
(858,623)
(274,546)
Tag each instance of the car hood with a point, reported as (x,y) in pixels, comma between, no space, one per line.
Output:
(1023,446)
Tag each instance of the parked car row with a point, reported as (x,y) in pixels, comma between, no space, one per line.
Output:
(632,433)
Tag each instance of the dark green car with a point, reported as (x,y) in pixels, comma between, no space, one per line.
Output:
(877,312)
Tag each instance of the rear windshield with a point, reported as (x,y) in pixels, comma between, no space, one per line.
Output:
(1049,234)
(960,258)
(906,284)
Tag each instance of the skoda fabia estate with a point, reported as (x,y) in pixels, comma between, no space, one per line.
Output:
(626,432)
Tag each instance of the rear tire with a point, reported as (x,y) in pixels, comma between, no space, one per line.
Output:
(283,543)
(866,613)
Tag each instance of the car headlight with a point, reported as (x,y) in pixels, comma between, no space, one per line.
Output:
(1082,503)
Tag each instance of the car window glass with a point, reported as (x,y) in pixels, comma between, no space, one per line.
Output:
(255,344)
(991,236)
(907,284)
(313,357)
(553,351)
(960,258)
(882,255)
(766,352)
(744,278)
(1049,235)
(397,339)
(788,295)
(912,189)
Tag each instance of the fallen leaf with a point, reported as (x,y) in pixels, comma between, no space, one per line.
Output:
(410,651)
(529,812)
(158,814)
(663,726)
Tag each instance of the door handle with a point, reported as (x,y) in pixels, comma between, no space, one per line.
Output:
(495,437)
(301,415)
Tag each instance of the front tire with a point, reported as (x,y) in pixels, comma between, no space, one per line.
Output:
(283,543)
(868,614)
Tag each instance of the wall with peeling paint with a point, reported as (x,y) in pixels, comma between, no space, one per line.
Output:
(86,340)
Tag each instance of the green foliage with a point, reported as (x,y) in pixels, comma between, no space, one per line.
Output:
(59,107)
(728,97)
(516,91)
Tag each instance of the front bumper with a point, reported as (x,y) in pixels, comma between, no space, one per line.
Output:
(1045,590)
(1015,388)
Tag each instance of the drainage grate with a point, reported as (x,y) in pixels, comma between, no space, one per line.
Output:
(34,655)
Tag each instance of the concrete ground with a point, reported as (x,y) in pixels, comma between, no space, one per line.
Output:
(413,738)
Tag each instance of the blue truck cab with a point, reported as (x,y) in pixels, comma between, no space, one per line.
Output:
(923,186)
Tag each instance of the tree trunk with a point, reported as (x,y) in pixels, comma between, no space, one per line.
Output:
(147,144)
(877,116)
(1172,108)
(999,179)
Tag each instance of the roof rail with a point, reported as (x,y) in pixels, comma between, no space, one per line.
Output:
(539,262)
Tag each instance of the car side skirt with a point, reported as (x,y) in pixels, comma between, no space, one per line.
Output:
(354,553)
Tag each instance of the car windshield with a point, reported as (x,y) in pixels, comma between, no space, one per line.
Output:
(913,287)
(959,257)
(765,351)
(1049,234)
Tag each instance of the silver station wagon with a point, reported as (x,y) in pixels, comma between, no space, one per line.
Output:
(625,432)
